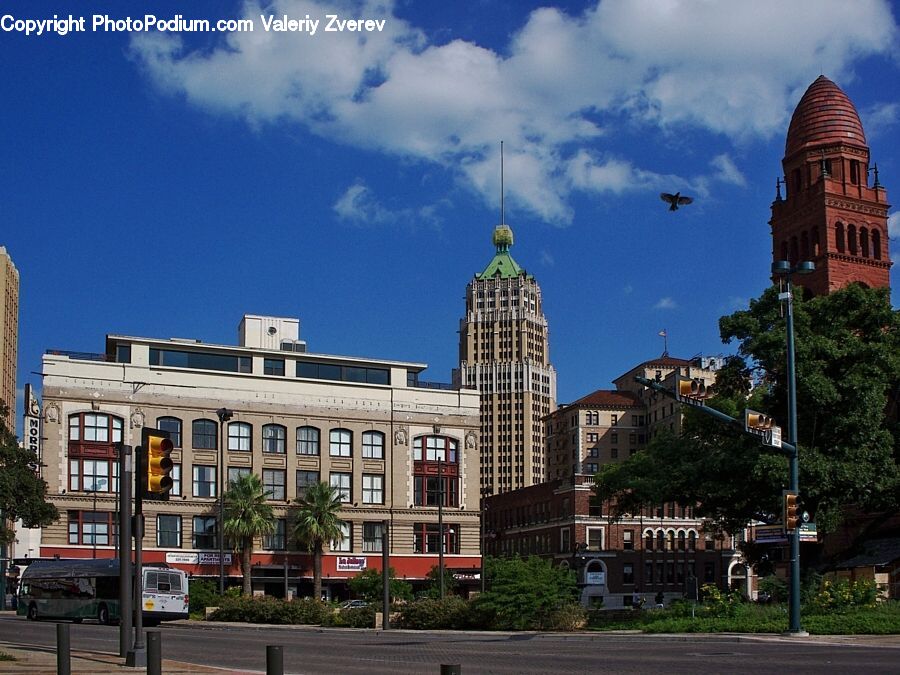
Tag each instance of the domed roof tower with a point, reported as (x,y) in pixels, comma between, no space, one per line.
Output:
(830,214)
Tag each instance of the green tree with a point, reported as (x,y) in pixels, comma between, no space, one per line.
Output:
(317,523)
(848,371)
(368,585)
(433,583)
(526,594)
(22,492)
(247,516)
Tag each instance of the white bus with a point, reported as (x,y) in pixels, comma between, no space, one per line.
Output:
(79,589)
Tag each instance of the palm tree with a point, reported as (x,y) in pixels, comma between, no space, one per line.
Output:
(317,524)
(247,515)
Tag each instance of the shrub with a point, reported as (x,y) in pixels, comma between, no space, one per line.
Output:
(368,585)
(775,587)
(430,614)
(717,603)
(837,596)
(571,616)
(202,594)
(267,609)
(359,617)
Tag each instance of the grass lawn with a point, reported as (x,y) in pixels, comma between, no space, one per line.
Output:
(750,618)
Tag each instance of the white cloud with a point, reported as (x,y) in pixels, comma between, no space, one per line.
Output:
(735,69)
(360,206)
(547,259)
(894,224)
(628,289)
(665,303)
(880,118)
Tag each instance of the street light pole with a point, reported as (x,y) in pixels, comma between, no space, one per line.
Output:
(224,414)
(441,523)
(783,268)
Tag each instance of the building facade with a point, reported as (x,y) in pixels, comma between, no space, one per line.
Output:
(831,213)
(296,418)
(504,352)
(657,554)
(9,335)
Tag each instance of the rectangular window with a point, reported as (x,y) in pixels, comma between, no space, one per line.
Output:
(372,537)
(565,540)
(341,482)
(236,472)
(709,573)
(427,538)
(176,358)
(595,538)
(123,353)
(273,366)
(168,531)
(373,488)
(345,544)
(203,435)
(427,490)
(648,573)
(628,573)
(239,434)
(277,540)
(628,540)
(205,532)
(613,420)
(173,426)
(176,480)
(307,441)
(273,482)
(373,445)
(340,443)
(204,481)
(304,480)
(274,439)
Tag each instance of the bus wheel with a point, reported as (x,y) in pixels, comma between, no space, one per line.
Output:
(103,615)
(32,612)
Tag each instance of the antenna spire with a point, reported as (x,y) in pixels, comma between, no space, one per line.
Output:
(502,214)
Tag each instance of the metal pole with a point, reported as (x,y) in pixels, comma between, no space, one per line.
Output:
(794,622)
(94,518)
(125,584)
(221,527)
(63,650)
(386,576)
(441,523)
(154,652)
(481,540)
(138,655)
(274,660)
(286,577)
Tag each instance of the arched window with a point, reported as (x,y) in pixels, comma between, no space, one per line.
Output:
(95,428)
(434,448)
(307,441)
(876,244)
(851,239)
(340,443)
(816,245)
(93,466)
(804,246)
(784,250)
(839,237)
(795,253)
(660,540)
(864,242)
(373,445)
(648,540)
(670,540)
(692,541)
(274,438)
(682,541)
(173,426)
(204,435)
(239,437)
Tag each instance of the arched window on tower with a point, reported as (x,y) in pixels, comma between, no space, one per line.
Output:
(854,171)
(816,245)
(794,252)
(784,250)
(851,239)
(804,246)
(864,242)
(876,244)
(795,180)
(839,237)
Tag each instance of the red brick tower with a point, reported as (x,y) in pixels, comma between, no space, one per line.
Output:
(830,214)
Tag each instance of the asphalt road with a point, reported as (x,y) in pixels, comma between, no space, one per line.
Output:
(315,650)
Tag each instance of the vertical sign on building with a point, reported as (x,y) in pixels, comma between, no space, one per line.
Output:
(32,425)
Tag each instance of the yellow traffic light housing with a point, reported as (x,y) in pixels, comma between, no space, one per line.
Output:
(791,515)
(157,463)
(757,421)
(692,391)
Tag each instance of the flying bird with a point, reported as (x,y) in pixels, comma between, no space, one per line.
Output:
(676,200)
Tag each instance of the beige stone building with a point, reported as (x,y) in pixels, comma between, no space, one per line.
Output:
(504,353)
(365,426)
(9,334)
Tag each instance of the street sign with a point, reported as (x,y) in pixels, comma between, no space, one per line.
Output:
(808,532)
(769,534)
(773,437)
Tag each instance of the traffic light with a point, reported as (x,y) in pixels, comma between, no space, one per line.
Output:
(791,517)
(760,424)
(692,391)
(157,463)
(757,422)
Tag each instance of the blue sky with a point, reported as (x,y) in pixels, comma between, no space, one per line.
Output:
(165,183)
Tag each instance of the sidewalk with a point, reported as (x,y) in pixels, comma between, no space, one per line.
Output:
(43,660)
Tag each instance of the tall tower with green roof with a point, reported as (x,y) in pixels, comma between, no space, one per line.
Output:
(504,353)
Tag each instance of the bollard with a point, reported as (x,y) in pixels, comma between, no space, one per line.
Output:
(451,669)
(154,652)
(274,660)
(63,653)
